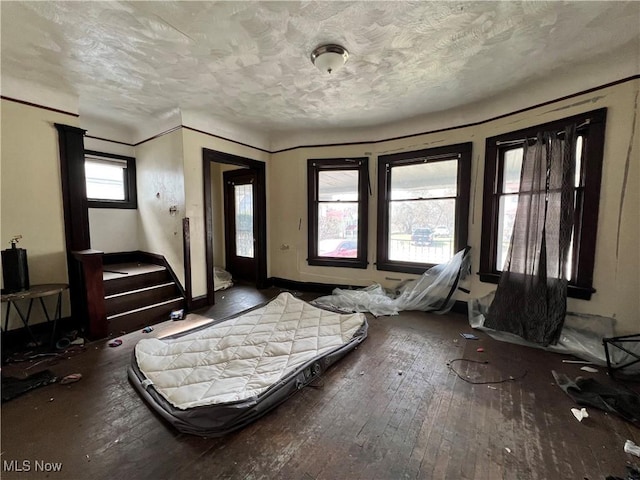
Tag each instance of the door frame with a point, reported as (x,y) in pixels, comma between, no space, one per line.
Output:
(242,265)
(209,156)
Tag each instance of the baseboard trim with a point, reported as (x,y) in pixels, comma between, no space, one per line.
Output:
(198,303)
(460,307)
(307,286)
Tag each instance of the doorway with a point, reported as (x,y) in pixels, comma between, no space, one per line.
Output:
(246,238)
(239,221)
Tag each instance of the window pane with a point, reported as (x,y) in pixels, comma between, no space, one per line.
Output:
(338,185)
(338,229)
(506,217)
(578,176)
(244,220)
(424,180)
(421,231)
(512,167)
(105,181)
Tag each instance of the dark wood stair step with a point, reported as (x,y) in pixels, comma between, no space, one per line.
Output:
(121,278)
(141,297)
(142,317)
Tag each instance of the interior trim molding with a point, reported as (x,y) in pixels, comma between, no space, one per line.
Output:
(360,142)
(208,157)
(226,139)
(308,286)
(418,134)
(198,302)
(110,141)
(161,134)
(471,124)
(35,105)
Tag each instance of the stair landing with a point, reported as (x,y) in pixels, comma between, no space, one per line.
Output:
(122,270)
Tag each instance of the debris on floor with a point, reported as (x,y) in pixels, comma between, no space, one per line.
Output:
(633,473)
(13,387)
(469,336)
(590,392)
(589,369)
(115,343)
(177,314)
(71,378)
(480,350)
(69,339)
(580,413)
(632,448)
(147,330)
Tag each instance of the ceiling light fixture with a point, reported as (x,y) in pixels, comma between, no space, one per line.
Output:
(329,58)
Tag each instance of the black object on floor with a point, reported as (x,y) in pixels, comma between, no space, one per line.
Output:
(591,393)
(13,387)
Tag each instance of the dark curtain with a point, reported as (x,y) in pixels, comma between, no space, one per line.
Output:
(531,298)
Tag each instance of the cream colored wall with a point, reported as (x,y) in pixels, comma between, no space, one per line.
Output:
(159,167)
(616,277)
(111,229)
(193,143)
(114,229)
(31,195)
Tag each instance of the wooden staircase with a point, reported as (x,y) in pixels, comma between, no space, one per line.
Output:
(138,294)
(123,292)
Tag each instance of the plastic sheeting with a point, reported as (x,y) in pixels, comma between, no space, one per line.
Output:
(221,279)
(433,291)
(581,334)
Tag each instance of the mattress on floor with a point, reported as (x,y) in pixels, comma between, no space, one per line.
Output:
(219,377)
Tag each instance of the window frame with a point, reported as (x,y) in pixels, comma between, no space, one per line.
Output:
(591,125)
(460,152)
(314,167)
(130,191)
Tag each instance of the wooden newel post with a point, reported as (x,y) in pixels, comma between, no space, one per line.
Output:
(92,297)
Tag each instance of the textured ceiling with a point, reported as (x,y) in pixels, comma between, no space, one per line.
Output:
(248,62)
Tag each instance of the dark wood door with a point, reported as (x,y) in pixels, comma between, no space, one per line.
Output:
(240,205)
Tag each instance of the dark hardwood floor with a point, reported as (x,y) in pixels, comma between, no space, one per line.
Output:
(390,409)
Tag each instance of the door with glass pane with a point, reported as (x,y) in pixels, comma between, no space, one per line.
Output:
(239,207)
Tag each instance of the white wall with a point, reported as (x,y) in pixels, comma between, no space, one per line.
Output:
(111,229)
(194,142)
(31,195)
(159,165)
(616,277)
(114,229)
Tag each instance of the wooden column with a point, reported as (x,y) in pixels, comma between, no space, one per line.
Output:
(76,212)
(89,267)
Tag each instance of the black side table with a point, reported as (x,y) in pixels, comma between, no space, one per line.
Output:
(39,292)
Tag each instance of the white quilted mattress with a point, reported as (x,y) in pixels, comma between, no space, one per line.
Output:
(242,357)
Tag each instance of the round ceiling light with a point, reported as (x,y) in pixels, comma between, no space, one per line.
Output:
(329,58)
